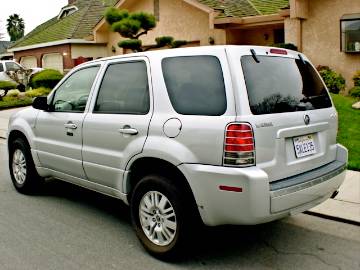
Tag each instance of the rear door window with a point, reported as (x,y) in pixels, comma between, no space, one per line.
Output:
(279,85)
(124,89)
(195,85)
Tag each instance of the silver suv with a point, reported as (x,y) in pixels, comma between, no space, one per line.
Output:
(220,135)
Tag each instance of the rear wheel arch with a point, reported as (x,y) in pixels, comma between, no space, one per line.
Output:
(148,165)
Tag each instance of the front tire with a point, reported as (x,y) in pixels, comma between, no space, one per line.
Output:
(159,217)
(22,168)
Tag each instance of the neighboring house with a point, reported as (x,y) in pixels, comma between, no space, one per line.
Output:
(65,40)
(4,54)
(328,31)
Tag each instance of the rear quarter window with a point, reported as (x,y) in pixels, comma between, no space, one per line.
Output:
(279,85)
(195,85)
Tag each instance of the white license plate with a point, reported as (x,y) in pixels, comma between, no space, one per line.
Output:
(304,146)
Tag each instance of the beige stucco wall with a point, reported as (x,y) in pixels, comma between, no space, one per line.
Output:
(321,36)
(177,19)
(94,51)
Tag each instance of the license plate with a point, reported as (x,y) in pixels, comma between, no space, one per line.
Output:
(304,146)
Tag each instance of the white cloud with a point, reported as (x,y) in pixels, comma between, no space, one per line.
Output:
(33,12)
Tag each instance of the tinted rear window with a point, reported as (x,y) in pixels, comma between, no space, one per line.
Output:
(278,85)
(195,85)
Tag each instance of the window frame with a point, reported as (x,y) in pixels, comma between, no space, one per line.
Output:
(51,97)
(101,80)
(347,18)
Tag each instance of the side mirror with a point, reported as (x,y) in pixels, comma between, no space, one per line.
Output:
(40,103)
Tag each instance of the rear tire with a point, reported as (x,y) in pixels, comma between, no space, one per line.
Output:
(23,173)
(158,214)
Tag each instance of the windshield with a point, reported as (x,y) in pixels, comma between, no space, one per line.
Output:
(279,84)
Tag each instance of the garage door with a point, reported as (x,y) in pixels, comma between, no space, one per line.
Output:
(53,61)
(28,61)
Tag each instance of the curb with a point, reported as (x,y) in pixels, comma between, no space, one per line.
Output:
(2,135)
(338,219)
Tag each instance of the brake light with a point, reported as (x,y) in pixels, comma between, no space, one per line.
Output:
(278,51)
(239,145)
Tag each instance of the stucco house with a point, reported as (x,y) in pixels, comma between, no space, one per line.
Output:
(65,40)
(328,31)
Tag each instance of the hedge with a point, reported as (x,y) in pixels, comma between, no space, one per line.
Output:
(6,85)
(335,82)
(47,78)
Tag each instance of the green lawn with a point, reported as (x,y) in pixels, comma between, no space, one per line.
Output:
(12,100)
(349,129)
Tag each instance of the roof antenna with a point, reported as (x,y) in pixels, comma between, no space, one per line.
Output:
(302,59)
(253,53)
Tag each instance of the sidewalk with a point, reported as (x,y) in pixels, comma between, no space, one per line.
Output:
(345,206)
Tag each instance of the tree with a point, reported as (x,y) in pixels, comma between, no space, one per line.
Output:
(134,25)
(15,27)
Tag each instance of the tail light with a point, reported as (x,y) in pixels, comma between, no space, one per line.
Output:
(239,145)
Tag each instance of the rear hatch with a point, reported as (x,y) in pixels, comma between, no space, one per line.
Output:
(283,98)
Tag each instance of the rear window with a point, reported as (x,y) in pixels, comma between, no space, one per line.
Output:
(279,85)
(195,85)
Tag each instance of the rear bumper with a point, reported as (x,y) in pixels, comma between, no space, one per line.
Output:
(260,201)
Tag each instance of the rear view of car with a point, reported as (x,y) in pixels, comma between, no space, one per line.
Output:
(280,154)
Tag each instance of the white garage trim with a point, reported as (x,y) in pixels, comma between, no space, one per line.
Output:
(28,61)
(53,61)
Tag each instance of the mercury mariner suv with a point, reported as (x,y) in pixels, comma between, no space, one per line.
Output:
(220,135)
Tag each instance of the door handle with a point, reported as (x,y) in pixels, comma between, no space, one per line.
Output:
(128,131)
(70,126)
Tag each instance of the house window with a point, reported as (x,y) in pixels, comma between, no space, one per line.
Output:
(350,33)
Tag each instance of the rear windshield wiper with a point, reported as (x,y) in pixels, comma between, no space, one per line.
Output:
(253,53)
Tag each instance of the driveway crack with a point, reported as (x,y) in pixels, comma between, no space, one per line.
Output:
(300,253)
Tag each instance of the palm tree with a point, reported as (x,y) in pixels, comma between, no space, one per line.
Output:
(15,27)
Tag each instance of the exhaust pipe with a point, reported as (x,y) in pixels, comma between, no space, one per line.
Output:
(336,192)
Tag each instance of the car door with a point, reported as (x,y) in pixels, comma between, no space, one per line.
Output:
(117,127)
(59,131)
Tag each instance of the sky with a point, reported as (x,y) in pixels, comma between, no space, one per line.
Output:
(34,12)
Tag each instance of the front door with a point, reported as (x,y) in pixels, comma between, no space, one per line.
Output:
(59,131)
(117,127)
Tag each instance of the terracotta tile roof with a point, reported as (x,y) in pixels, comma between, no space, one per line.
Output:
(77,25)
(245,8)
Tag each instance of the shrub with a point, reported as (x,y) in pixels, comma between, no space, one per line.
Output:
(47,78)
(5,85)
(289,46)
(356,78)
(335,82)
(13,93)
(42,91)
(355,92)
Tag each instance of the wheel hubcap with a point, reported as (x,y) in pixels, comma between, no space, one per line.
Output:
(157,218)
(19,166)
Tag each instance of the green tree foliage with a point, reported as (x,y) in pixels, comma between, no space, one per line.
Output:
(15,27)
(134,25)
